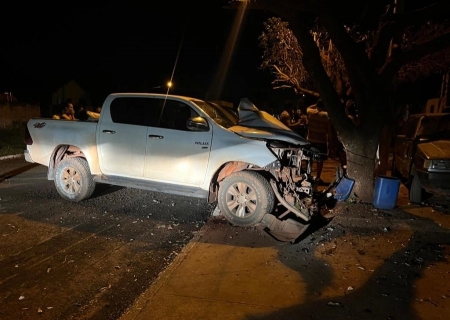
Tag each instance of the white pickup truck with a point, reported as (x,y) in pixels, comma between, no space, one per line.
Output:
(250,164)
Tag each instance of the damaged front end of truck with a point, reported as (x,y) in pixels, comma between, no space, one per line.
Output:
(300,197)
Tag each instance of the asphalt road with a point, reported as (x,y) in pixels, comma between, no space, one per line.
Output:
(87,260)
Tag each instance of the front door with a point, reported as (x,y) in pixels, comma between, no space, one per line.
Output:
(174,153)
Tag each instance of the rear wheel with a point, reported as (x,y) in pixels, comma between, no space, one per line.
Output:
(73,179)
(245,197)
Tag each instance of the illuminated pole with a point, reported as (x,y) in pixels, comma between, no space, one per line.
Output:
(169,85)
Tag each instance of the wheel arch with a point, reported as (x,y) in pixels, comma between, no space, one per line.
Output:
(60,153)
(245,197)
(225,170)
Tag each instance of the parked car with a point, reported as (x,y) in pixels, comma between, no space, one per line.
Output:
(421,156)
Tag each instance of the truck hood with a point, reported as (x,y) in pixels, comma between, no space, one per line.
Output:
(439,149)
(254,123)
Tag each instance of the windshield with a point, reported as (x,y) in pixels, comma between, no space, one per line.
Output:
(431,125)
(224,117)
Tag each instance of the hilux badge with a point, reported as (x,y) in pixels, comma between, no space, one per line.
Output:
(39,125)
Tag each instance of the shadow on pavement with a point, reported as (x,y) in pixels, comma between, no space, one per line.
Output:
(10,174)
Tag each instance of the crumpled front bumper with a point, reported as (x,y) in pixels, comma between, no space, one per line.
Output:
(283,228)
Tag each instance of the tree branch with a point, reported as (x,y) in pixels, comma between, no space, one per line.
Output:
(289,82)
(313,65)
(440,9)
(398,58)
(359,69)
(395,24)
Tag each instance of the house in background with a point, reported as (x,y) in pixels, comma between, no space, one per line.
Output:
(71,91)
(7,97)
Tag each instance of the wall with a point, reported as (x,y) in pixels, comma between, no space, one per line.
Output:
(15,113)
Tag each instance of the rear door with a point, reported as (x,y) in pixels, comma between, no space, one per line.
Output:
(122,140)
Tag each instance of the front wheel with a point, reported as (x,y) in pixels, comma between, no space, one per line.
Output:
(245,197)
(73,179)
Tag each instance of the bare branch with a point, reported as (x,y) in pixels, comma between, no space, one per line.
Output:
(435,11)
(359,68)
(414,54)
(432,64)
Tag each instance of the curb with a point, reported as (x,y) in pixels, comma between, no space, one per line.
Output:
(14,156)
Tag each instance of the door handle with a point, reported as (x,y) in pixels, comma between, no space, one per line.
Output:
(154,136)
(109,131)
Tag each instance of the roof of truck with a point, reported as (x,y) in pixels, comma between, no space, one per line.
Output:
(146,94)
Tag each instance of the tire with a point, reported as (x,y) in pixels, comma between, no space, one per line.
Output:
(245,197)
(416,192)
(73,179)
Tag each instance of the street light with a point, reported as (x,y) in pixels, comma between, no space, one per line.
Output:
(168,86)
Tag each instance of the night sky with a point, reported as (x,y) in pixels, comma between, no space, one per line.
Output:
(131,47)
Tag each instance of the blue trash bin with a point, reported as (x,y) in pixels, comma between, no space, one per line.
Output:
(386,192)
(344,188)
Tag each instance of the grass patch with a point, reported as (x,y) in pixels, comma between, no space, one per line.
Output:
(12,141)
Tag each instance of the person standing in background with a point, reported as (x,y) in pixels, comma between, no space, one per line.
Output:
(287,117)
(303,119)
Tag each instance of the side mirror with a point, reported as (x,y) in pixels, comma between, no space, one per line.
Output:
(197,124)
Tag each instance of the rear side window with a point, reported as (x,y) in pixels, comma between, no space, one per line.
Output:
(136,111)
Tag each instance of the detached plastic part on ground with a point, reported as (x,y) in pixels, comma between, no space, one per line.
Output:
(289,230)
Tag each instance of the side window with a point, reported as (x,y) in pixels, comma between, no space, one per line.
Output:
(135,111)
(175,115)
(128,111)
(152,112)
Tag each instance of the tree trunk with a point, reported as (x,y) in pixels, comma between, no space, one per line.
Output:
(364,180)
(360,154)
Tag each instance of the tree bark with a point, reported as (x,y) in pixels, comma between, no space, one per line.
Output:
(364,179)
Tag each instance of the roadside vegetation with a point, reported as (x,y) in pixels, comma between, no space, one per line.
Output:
(12,141)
